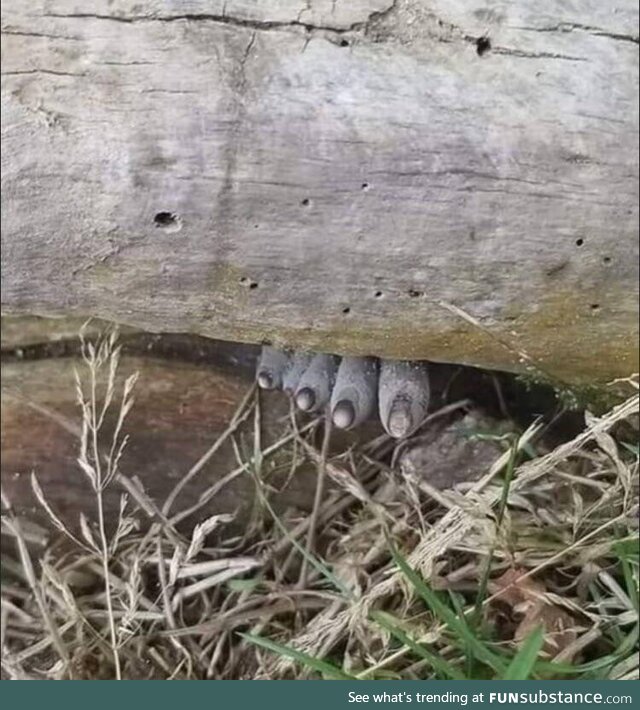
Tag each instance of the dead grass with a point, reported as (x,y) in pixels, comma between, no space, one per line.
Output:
(545,540)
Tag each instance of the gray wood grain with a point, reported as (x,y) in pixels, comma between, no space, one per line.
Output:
(357,177)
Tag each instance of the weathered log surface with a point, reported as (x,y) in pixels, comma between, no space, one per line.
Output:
(359,177)
(22,332)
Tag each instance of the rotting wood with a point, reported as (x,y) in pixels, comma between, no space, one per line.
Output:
(429,179)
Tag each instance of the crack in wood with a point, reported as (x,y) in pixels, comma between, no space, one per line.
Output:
(510,52)
(223,19)
(19,72)
(567,27)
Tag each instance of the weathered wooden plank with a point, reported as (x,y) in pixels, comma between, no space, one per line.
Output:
(22,332)
(363,177)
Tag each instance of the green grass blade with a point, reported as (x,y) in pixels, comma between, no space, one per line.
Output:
(441,666)
(316,563)
(605,662)
(316,664)
(623,650)
(471,661)
(627,549)
(525,659)
(630,582)
(633,448)
(502,507)
(457,625)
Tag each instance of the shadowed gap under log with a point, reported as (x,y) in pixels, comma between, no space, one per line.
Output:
(188,389)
